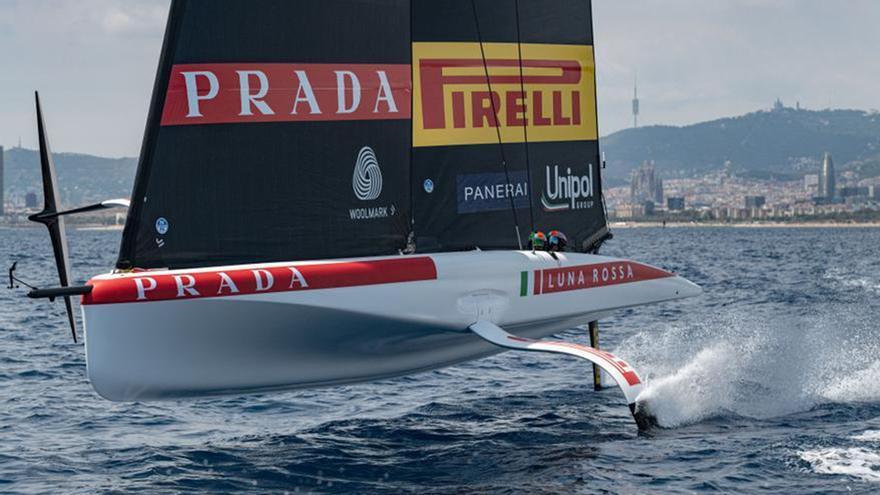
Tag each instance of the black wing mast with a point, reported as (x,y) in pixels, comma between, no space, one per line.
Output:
(49,216)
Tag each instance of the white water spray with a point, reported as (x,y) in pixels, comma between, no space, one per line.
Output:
(756,365)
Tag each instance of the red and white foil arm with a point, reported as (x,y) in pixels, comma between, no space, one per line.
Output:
(622,373)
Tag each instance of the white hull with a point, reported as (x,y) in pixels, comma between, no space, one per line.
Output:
(182,346)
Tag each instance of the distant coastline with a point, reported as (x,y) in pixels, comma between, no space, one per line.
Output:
(70,226)
(613,225)
(755,225)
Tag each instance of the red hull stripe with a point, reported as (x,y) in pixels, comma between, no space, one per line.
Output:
(235,282)
(590,276)
(628,374)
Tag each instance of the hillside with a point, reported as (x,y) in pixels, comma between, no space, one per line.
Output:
(81,178)
(764,143)
(785,143)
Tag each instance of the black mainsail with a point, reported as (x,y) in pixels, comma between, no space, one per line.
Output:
(287,130)
(279,130)
(531,63)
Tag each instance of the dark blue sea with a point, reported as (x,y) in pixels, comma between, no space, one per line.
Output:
(767,383)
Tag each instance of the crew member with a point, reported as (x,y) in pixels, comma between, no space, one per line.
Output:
(537,241)
(557,241)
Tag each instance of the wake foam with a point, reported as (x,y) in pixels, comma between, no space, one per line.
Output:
(858,462)
(846,279)
(868,436)
(755,365)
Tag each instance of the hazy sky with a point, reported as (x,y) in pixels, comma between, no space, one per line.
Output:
(94,62)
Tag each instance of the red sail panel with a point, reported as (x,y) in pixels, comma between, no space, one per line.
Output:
(245,93)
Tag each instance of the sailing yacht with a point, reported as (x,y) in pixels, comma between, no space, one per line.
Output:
(349,190)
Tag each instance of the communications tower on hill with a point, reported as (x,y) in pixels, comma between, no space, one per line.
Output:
(636,102)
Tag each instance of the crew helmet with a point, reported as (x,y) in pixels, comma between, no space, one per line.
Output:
(557,241)
(537,241)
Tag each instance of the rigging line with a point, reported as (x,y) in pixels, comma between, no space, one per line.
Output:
(522,90)
(497,124)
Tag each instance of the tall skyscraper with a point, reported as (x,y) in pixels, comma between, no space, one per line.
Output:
(827,182)
(636,103)
(2,196)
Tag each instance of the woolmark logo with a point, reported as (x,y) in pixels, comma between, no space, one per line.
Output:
(367,186)
(568,191)
(367,180)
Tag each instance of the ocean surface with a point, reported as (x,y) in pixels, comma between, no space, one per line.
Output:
(767,383)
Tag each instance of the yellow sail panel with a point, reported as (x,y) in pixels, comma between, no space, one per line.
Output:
(454,103)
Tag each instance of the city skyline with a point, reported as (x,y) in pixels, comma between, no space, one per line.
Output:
(721,195)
